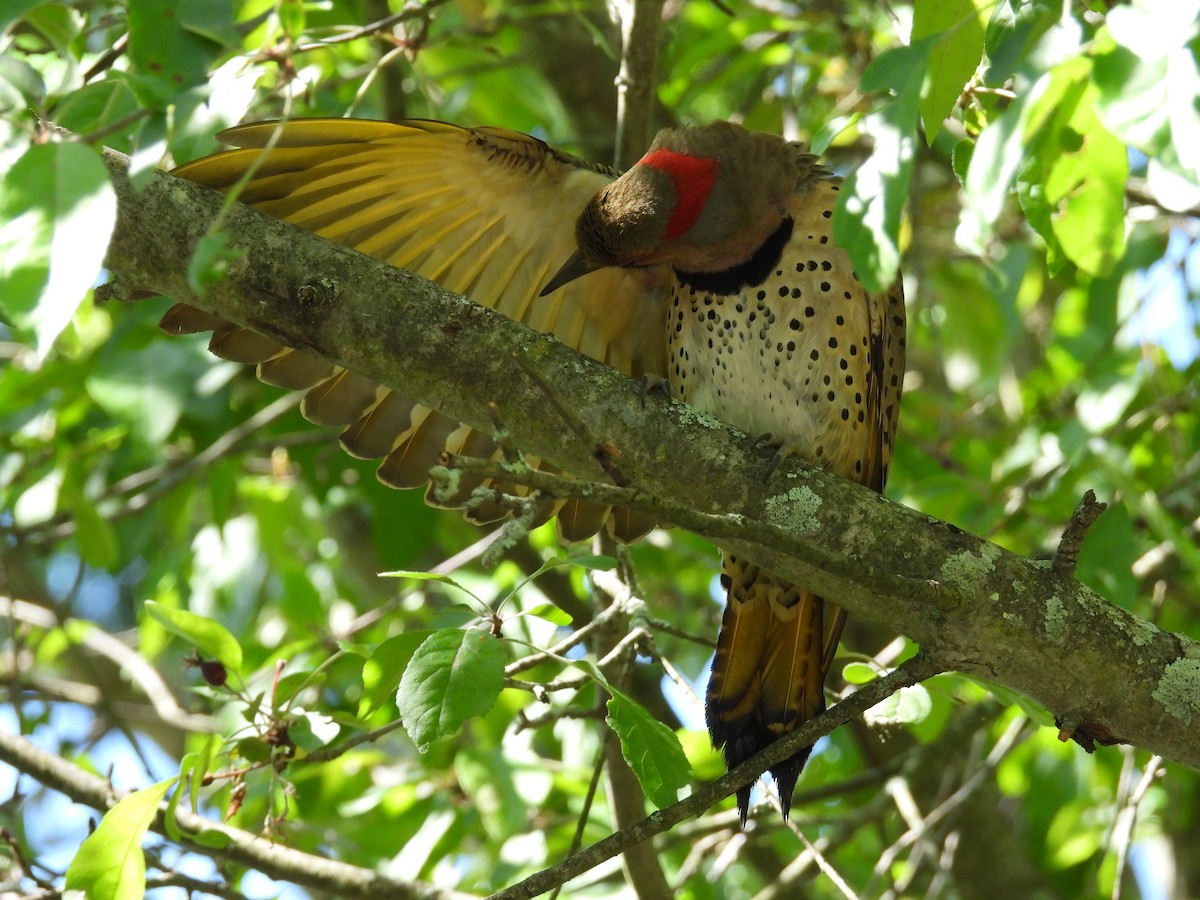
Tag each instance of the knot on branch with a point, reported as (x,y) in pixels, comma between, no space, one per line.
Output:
(1069,545)
(1086,732)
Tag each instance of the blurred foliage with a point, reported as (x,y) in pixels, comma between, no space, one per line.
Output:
(1037,171)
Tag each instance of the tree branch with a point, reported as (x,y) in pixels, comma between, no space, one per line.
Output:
(977,607)
(641,22)
(273,860)
(916,669)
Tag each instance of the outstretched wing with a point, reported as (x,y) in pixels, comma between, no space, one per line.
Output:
(485,212)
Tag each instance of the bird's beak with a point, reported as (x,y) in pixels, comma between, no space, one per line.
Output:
(571,269)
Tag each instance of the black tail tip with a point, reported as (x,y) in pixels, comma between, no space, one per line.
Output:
(785,774)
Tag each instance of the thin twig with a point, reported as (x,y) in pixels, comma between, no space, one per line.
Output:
(244,848)
(132,663)
(675,631)
(18,857)
(588,800)
(110,56)
(914,670)
(171,877)
(559,649)
(826,866)
(325,754)
(161,480)
(537,688)
(617,645)
(1003,746)
(551,716)
(415,11)
(1127,816)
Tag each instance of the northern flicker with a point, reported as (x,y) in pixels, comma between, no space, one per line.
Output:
(710,264)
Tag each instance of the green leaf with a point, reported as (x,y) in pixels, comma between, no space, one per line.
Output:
(312,731)
(1037,713)
(1014,27)
(193,765)
(57,211)
(20,83)
(1072,187)
(453,676)
(147,388)
(1108,557)
(486,775)
(1073,835)
(1032,196)
(253,750)
(651,748)
(210,837)
(908,705)
(167,55)
(98,105)
(381,673)
(290,684)
(212,19)
(1088,186)
(1148,78)
(454,616)
(961,159)
(196,766)
(953,58)
(428,576)
(858,673)
(993,166)
(590,561)
(94,533)
(867,221)
(1133,98)
(550,613)
(110,864)
(13,10)
(209,637)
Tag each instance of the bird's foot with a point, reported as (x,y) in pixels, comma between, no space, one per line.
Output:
(655,384)
(785,447)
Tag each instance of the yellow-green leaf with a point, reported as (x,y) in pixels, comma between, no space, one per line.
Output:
(867,220)
(57,211)
(110,864)
(208,635)
(953,57)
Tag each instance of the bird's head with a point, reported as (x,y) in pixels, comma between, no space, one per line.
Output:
(702,199)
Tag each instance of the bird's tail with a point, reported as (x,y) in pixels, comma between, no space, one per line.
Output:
(776,645)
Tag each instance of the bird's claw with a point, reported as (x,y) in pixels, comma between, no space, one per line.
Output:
(655,384)
(784,447)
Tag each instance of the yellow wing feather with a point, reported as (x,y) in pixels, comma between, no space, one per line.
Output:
(486,212)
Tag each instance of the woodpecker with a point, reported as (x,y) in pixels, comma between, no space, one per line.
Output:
(710,266)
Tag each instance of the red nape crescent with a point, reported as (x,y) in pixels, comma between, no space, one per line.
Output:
(693,177)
